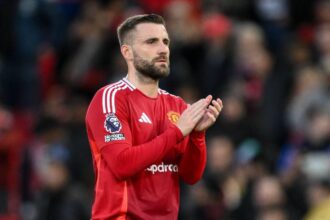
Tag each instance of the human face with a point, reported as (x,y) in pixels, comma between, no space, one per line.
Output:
(151,50)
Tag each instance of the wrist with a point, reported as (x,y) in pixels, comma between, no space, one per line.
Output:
(182,130)
(178,132)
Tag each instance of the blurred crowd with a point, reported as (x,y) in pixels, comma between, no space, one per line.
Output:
(269,61)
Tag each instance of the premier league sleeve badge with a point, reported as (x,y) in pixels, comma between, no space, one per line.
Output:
(113,126)
(112,123)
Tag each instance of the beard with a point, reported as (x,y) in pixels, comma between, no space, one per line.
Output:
(149,68)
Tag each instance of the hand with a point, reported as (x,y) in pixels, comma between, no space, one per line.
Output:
(210,116)
(189,117)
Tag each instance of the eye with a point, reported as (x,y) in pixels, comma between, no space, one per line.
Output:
(151,41)
(166,42)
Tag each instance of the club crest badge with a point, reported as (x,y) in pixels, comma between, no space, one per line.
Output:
(173,116)
(112,123)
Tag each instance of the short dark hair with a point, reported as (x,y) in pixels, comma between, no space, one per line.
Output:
(130,23)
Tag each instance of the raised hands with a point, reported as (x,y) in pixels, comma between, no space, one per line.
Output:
(200,115)
(210,116)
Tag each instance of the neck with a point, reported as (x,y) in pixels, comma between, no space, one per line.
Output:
(146,85)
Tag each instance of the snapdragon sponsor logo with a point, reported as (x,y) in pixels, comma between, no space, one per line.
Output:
(162,168)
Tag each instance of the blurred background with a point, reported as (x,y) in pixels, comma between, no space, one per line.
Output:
(269,61)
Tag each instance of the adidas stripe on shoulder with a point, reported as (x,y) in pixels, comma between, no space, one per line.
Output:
(109,94)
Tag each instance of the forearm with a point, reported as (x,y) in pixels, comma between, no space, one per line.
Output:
(193,162)
(126,161)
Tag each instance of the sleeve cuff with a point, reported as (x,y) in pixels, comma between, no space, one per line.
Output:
(178,134)
(197,134)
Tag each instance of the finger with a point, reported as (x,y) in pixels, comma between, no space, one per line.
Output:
(214,111)
(195,111)
(201,108)
(220,102)
(195,104)
(217,105)
(206,101)
(209,98)
(198,106)
(198,116)
(191,107)
(211,117)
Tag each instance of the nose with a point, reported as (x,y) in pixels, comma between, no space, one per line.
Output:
(163,49)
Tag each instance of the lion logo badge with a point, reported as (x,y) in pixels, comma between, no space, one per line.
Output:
(112,123)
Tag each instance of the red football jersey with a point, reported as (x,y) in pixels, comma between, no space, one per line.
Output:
(139,154)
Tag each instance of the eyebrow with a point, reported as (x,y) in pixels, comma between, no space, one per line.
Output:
(151,39)
(157,39)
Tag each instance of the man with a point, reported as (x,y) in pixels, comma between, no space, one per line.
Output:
(143,139)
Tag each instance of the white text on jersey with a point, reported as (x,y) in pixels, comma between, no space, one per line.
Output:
(162,168)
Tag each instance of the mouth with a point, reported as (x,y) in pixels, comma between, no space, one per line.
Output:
(161,60)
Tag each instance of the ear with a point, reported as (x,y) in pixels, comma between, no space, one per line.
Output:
(127,52)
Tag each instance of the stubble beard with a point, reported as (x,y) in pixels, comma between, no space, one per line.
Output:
(149,68)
